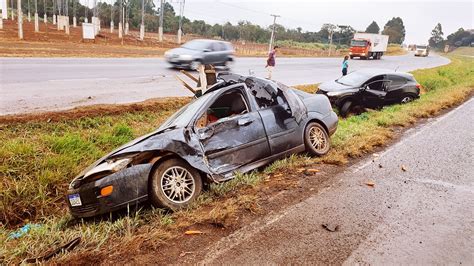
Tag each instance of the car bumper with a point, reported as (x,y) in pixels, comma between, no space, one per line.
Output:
(331,121)
(130,186)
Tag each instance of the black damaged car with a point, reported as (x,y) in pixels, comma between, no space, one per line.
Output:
(239,124)
(371,88)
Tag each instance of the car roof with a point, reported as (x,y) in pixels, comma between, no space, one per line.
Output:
(382,71)
(208,40)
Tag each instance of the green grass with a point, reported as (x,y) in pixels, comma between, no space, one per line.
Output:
(38,159)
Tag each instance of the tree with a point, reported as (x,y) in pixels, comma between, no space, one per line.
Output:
(395,30)
(460,38)
(436,40)
(373,28)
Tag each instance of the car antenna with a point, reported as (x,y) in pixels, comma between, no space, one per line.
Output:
(396,68)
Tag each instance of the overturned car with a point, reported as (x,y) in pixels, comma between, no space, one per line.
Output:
(239,124)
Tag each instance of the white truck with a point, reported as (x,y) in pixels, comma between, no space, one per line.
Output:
(367,45)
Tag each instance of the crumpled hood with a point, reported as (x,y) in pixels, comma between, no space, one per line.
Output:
(334,86)
(127,146)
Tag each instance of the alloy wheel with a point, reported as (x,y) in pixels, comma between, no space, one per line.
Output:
(317,139)
(407,99)
(177,184)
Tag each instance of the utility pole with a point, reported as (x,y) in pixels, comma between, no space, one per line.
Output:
(29,13)
(273,32)
(330,28)
(120,26)
(36,17)
(13,14)
(142,26)
(112,16)
(74,18)
(180,25)
(160,29)
(20,20)
(45,16)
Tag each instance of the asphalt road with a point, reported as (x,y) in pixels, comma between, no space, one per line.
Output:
(421,216)
(41,84)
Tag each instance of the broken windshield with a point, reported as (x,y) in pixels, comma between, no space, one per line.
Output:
(186,113)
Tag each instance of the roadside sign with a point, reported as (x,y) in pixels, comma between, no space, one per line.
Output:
(88,31)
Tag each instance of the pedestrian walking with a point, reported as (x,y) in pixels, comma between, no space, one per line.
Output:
(271,61)
(345,65)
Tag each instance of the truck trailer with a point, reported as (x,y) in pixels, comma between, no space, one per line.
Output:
(367,45)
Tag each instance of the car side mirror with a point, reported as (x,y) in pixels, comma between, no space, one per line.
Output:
(364,88)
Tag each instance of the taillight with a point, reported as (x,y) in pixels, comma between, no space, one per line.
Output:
(418,86)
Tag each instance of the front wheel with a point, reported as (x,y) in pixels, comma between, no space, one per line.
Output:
(174,185)
(316,139)
(195,65)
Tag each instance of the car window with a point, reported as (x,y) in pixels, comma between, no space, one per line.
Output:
(227,105)
(196,45)
(377,83)
(397,81)
(215,47)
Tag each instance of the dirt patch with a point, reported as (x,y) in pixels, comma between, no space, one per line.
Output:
(158,104)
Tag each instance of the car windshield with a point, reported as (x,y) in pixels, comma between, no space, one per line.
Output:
(420,47)
(196,45)
(353,79)
(360,43)
(186,113)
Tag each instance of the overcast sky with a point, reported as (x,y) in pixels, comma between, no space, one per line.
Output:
(419,17)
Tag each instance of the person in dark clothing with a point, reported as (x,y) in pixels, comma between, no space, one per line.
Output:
(345,65)
(271,62)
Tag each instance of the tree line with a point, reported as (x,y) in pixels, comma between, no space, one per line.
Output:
(458,38)
(243,30)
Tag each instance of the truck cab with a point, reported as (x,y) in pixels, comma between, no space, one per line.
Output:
(360,48)
(368,45)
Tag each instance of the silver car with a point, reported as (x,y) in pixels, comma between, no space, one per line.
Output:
(200,51)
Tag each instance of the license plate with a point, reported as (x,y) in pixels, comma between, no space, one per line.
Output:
(75,200)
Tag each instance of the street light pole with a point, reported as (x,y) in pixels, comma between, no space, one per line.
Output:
(180,25)
(273,32)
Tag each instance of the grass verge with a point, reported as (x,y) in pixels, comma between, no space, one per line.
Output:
(39,158)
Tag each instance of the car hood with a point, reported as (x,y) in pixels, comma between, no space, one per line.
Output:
(334,86)
(183,51)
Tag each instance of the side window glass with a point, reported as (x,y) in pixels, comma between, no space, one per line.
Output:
(230,104)
(397,81)
(215,47)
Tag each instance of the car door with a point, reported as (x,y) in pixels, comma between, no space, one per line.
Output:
(395,89)
(374,91)
(281,126)
(212,54)
(235,140)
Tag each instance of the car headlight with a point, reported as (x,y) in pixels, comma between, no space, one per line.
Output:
(334,93)
(363,53)
(186,57)
(109,166)
(350,52)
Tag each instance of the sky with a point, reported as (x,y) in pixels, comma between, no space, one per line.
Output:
(419,16)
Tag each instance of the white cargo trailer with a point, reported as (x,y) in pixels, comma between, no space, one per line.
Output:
(367,45)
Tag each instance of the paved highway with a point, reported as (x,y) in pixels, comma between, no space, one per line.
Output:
(41,84)
(421,216)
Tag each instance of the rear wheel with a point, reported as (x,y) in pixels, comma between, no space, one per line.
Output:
(316,139)
(407,98)
(352,57)
(174,184)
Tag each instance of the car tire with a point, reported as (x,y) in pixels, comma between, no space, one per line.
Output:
(345,108)
(195,65)
(407,98)
(352,57)
(316,139)
(174,184)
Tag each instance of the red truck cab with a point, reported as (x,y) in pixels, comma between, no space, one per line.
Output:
(360,48)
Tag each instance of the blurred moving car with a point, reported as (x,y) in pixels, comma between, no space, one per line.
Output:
(422,50)
(201,51)
(239,124)
(372,88)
